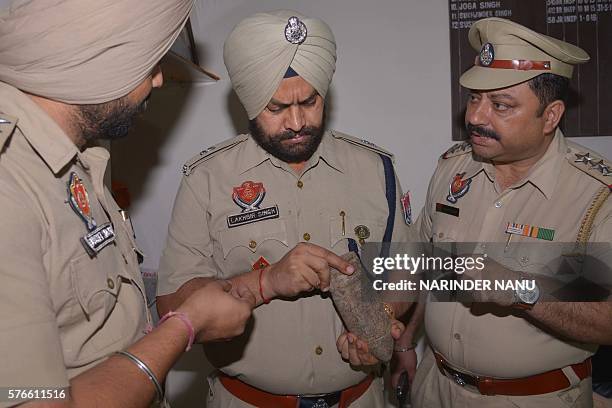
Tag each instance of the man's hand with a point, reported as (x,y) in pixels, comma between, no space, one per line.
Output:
(303,269)
(405,361)
(493,271)
(218,311)
(356,350)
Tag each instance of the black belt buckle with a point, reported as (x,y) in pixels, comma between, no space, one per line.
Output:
(321,401)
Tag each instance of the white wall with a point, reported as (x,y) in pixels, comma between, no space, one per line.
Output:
(392,86)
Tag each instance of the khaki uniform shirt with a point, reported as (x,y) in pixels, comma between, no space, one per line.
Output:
(556,195)
(61,311)
(291,348)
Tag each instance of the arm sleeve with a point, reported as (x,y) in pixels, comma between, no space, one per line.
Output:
(188,251)
(598,267)
(421,230)
(401,229)
(29,337)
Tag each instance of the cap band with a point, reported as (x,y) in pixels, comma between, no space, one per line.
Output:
(520,65)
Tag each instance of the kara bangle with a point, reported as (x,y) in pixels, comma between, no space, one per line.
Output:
(263,298)
(412,346)
(145,369)
(183,317)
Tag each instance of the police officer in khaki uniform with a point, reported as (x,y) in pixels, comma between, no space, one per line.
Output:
(518,182)
(73,313)
(282,202)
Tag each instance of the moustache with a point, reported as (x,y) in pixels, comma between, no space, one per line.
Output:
(290,134)
(481,131)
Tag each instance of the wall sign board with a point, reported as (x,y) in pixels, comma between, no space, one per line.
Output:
(586,23)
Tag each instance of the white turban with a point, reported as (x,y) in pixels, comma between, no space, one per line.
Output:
(262,47)
(86,51)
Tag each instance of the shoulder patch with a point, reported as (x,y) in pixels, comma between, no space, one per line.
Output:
(210,152)
(457,149)
(590,163)
(7,125)
(361,142)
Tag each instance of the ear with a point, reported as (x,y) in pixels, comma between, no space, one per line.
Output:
(157,77)
(552,115)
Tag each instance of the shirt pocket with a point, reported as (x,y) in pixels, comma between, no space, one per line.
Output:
(446,227)
(529,255)
(95,289)
(344,228)
(267,238)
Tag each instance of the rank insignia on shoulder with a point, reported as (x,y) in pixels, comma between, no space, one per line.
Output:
(457,150)
(210,152)
(361,142)
(596,167)
(458,188)
(249,196)
(406,208)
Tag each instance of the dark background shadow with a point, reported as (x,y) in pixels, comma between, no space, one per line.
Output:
(134,157)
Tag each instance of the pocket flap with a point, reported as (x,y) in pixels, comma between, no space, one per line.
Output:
(252,236)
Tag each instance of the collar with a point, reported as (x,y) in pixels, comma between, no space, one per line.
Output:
(45,136)
(327,152)
(544,175)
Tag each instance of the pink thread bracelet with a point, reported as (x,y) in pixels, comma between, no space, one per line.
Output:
(185,320)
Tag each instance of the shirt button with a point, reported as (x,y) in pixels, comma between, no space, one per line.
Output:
(498,204)
(110,283)
(306,236)
(524,259)
(319,350)
(300,184)
(252,244)
(441,235)
(457,336)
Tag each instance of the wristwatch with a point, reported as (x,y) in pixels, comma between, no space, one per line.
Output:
(527,296)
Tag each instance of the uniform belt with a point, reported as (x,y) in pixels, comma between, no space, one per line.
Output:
(550,381)
(263,399)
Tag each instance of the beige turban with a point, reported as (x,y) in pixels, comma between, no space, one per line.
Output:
(86,51)
(262,47)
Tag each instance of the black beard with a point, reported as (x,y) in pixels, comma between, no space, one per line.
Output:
(292,154)
(479,130)
(111,120)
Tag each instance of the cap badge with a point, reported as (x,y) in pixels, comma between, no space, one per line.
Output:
(487,54)
(295,31)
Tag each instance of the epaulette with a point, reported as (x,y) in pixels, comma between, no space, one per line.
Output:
(590,163)
(457,150)
(210,152)
(361,142)
(7,125)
